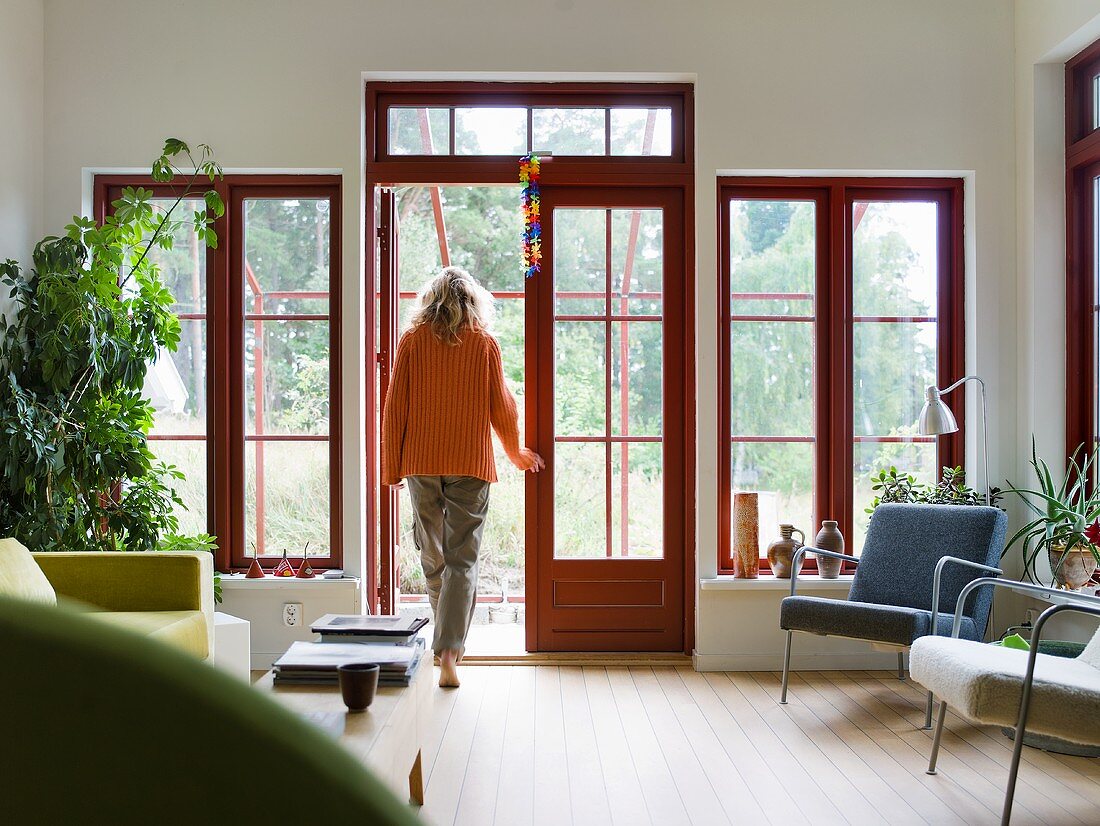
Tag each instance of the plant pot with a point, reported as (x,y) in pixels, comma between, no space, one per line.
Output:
(1073,568)
(781,551)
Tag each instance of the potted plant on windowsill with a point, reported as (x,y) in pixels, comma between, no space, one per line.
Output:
(890,486)
(1066,527)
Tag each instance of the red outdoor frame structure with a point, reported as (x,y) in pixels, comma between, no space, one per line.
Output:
(834,438)
(1082,297)
(675,170)
(227,272)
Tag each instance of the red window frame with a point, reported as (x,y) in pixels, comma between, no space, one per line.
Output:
(834,324)
(1082,310)
(226,319)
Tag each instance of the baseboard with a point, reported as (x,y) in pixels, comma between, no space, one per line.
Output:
(799,662)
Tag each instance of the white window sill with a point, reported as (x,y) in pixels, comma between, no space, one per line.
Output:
(768,582)
(235,581)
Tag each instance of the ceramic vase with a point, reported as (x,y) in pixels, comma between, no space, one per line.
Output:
(746,536)
(781,551)
(829,538)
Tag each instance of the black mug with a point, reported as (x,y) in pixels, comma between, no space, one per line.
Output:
(358,682)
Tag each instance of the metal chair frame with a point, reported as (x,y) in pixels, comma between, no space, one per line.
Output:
(1081,604)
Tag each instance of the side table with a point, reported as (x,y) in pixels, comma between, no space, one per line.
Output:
(232,645)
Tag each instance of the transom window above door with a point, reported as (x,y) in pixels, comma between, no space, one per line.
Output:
(577,121)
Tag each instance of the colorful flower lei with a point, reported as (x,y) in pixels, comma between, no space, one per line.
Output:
(532,227)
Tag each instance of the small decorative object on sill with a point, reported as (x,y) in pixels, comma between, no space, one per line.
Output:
(781,551)
(829,538)
(305,570)
(284,568)
(254,570)
(746,536)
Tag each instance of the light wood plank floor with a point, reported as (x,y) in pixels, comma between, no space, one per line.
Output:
(593,745)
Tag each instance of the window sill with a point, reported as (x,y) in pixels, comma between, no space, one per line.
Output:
(768,582)
(235,581)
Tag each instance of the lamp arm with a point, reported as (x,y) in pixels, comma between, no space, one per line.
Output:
(985,427)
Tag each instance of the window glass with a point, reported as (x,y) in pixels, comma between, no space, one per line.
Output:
(419,131)
(895,279)
(641,131)
(176,382)
(568,131)
(491,131)
(772,361)
(287,355)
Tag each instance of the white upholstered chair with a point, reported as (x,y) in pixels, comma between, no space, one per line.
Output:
(1031,692)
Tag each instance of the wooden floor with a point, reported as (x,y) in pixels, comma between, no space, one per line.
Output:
(634,745)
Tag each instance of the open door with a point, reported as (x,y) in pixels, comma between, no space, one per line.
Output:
(389,498)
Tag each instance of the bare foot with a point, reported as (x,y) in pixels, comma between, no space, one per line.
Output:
(448,669)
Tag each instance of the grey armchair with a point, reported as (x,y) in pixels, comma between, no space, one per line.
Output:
(916,560)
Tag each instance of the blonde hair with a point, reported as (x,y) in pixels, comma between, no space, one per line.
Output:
(452,303)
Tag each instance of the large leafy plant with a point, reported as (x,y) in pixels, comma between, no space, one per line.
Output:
(1066,514)
(88,319)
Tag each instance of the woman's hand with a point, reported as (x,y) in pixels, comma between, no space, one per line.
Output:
(529,460)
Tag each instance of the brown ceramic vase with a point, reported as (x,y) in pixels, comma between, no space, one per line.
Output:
(781,551)
(829,538)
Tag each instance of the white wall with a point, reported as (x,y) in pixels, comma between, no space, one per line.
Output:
(794,84)
(1048,32)
(21,84)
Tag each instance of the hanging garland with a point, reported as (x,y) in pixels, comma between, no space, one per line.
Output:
(532,227)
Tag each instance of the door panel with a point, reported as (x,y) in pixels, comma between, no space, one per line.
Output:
(605,549)
(389,497)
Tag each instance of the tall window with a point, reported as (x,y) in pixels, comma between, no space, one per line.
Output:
(1082,250)
(841,300)
(245,406)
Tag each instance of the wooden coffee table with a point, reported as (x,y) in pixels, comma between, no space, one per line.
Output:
(387,737)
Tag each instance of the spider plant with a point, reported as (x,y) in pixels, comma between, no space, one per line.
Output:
(1066,515)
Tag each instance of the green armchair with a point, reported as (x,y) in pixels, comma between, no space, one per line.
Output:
(166,596)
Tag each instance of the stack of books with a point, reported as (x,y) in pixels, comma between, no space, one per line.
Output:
(392,642)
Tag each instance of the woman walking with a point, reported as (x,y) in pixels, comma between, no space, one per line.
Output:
(446,395)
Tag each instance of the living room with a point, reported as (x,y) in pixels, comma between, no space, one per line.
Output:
(765,282)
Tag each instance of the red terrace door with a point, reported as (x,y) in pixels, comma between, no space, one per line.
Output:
(605,408)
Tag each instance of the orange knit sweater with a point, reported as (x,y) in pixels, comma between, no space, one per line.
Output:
(442,402)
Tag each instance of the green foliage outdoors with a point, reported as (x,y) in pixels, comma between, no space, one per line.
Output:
(89,318)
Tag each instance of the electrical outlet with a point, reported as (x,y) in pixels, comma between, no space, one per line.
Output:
(1029,616)
(292,614)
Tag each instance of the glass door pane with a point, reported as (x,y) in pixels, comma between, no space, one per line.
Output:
(608,383)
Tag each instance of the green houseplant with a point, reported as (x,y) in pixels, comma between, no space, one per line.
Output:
(1065,526)
(88,318)
(889,485)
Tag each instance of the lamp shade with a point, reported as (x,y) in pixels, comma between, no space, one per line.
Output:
(936,417)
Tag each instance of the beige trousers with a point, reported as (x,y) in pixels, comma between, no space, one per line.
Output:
(448,519)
